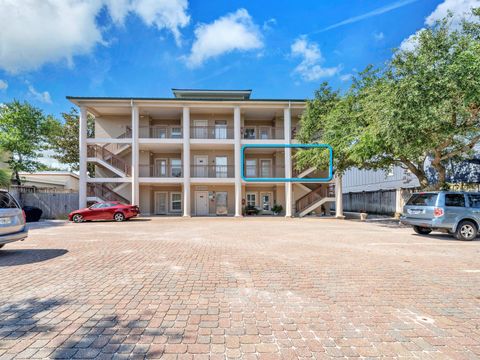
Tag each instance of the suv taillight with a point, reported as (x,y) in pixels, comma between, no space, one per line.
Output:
(437,212)
(24,216)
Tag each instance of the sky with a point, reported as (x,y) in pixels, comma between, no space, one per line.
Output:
(142,48)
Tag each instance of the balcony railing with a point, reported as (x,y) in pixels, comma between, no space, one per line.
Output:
(262,133)
(211,132)
(96,151)
(212,171)
(161,132)
(266,172)
(161,171)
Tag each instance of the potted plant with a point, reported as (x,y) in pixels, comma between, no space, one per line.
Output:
(363,215)
(277,209)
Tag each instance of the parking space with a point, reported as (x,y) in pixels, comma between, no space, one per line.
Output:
(249,288)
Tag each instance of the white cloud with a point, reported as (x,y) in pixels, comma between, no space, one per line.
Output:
(346,77)
(164,14)
(43,97)
(269,24)
(38,32)
(310,68)
(234,31)
(460,9)
(379,36)
(3,85)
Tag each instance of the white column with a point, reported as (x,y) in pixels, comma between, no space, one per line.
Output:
(82,171)
(287,128)
(338,198)
(186,162)
(238,164)
(135,156)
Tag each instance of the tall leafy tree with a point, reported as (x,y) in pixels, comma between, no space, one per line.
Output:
(422,109)
(23,133)
(63,140)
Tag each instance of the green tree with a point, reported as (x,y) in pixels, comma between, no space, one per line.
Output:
(63,140)
(23,132)
(4,178)
(422,109)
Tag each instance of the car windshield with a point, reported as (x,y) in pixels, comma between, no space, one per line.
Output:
(7,201)
(427,199)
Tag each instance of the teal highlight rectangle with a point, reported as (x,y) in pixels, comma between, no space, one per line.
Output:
(275,179)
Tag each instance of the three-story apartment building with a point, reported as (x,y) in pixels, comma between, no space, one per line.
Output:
(181,155)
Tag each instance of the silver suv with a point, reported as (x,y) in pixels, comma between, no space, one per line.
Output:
(457,213)
(12,220)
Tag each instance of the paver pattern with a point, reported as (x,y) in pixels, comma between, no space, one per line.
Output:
(256,288)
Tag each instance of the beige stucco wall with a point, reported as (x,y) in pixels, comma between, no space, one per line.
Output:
(229,189)
(111,126)
(147,198)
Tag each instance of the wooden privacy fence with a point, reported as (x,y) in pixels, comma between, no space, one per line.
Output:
(375,202)
(54,204)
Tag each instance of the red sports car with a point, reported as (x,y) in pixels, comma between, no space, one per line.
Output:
(111,210)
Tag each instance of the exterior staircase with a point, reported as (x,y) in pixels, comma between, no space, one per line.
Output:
(318,194)
(101,192)
(104,157)
(314,199)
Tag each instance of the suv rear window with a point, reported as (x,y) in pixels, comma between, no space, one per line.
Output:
(474,200)
(455,200)
(7,201)
(423,199)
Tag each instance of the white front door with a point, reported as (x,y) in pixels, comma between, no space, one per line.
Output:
(201,203)
(201,165)
(160,203)
(266,199)
(200,129)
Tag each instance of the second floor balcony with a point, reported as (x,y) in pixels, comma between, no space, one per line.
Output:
(262,133)
(220,132)
(212,171)
(161,132)
(161,170)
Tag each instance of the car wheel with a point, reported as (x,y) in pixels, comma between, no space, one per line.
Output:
(466,230)
(422,230)
(118,217)
(77,218)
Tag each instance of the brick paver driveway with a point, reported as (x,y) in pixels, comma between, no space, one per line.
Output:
(252,288)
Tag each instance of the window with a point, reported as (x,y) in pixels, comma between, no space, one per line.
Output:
(7,201)
(455,200)
(251,199)
(176,132)
(159,132)
(474,200)
(425,199)
(221,167)
(265,168)
(251,167)
(265,133)
(176,201)
(176,165)
(220,129)
(249,133)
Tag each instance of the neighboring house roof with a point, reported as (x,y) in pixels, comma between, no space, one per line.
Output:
(46,173)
